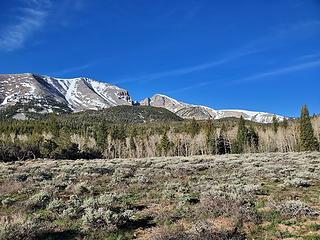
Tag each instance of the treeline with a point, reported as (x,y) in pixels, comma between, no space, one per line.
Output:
(65,138)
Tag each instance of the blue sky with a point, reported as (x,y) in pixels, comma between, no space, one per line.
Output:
(256,55)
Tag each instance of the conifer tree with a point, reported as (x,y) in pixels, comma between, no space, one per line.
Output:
(118,132)
(194,127)
(242,131)
(308,141)
(47,148)
(133,134)
(132,143)
(53,125)
(245,137)
(209,126)
(253,138)
(275,123)
(242,136)
(223,145)
(101,134)
(165,145)
(210,136)
(285,123)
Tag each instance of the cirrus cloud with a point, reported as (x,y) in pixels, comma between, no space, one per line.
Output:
(30,19)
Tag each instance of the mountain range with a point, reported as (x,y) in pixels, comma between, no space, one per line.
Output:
(189,111)
(31,93)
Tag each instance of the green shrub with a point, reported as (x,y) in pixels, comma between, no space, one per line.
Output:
(40,199)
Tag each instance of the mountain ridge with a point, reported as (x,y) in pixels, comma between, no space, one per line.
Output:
(35,93)
(199,112)
(77,94)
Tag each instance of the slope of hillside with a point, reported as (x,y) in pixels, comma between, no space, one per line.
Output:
(84,93)
(127,114)
(47,94)
(189,111)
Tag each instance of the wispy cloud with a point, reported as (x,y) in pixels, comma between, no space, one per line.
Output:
(256,77)
(38,3)
(190,87)
(309,57)
(309,25)
(284,34)
(31,19)
(277,72)
(183,71)
(73,69)
(277,37)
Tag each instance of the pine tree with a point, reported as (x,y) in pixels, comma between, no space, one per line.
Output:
(242,131)
(53,125)
(165,145)
(101,134)
(285,123)
(210,136)
(194,127)
(308,141)
(118,132)
(223,145)
(209,126)
(132,143)
(47,148)
(275,123)
(242,136)
(253,138)
(246,137)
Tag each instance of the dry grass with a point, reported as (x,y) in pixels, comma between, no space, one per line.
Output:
(10,187)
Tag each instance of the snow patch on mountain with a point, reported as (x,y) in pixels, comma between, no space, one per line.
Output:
(199,112)
(49,94)
(78,94)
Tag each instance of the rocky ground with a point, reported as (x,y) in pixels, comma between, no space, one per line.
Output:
(253,196)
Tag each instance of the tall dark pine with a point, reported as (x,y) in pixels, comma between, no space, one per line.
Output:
(194,127)
(275,123)
(242,137)
(253,138)
(210,136)
(242,132)
(222,142)
(308,141)
(285,123)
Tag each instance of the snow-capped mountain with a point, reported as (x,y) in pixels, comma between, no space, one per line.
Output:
(50,93)
(84,93)
(30,93)
(188,111)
